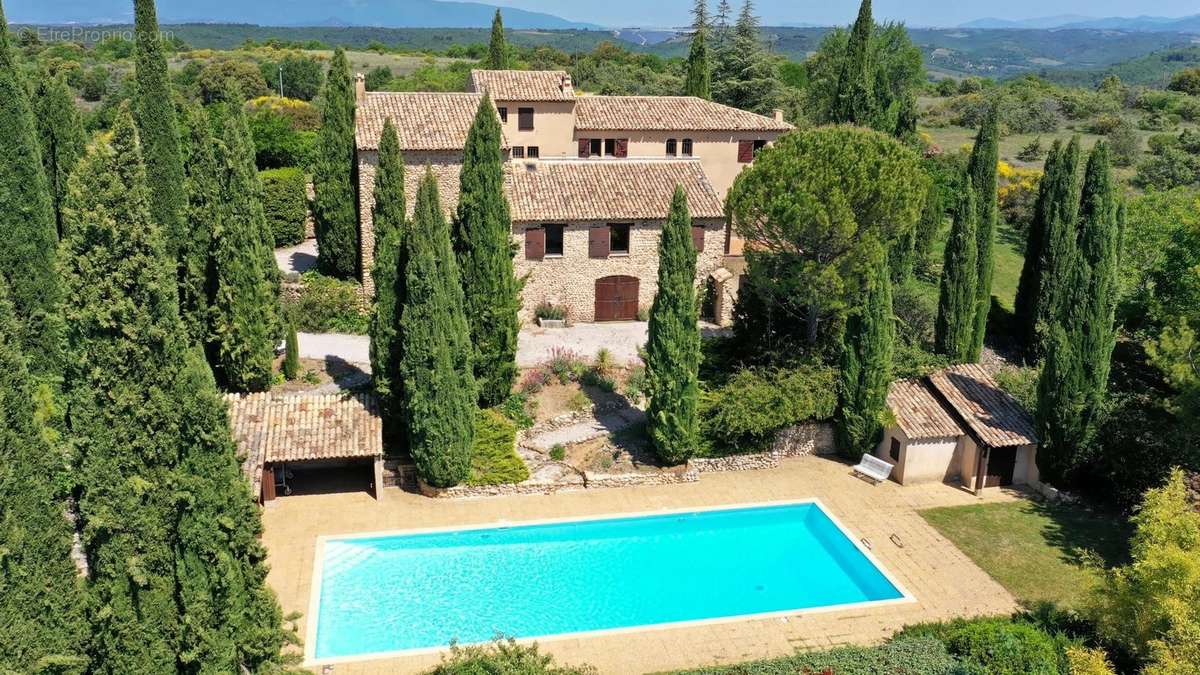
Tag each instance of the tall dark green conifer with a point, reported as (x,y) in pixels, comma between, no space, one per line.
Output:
(866,365)
(955,328)
(854,102)
(28,253)
(981,170)
(928,228)
(245,314)
(497,57)
(41,617)
(61,131)
(1058,197)
(673,349)
(435,366)
(698,81)
(389,276)
(154,110)
(333,175)
(202,183)
(483,243)
(170,530)
(1059,247)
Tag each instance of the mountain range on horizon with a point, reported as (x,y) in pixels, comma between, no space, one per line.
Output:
(1187,24)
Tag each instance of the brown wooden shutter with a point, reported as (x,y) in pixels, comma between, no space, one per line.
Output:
(745,152)
(535,243)
(585,147)
(698,238)
(622,149)
(598,241)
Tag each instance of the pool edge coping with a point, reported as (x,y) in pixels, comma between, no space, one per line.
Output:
(310,645)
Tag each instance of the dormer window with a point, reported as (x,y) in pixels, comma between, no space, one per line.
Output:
(687,147)
(672,147)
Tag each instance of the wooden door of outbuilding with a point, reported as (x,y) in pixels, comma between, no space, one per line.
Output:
(617,298)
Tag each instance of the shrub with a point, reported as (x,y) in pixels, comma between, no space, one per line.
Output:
(534,381)
(564,364)
(546,310)
(328,305)
(579,402)
(558,453)
(229,79)
(494,458)
(635,384)
(1032,151)
(503,656)
(746,412)
(277,144)
(291,359)
(285,204)
(300,115)
(1088,662)
(919,656)
(93,86)
(993,646)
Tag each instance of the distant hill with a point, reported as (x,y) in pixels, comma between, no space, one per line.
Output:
(1159,24)
(388,13)
(1152,70)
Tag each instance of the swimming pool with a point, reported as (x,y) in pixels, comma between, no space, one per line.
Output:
(390,594)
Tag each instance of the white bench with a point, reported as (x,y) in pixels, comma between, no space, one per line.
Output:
(874,468)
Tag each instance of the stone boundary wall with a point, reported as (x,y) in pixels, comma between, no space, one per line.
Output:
(797,441)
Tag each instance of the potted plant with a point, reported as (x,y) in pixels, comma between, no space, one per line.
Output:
(550,315)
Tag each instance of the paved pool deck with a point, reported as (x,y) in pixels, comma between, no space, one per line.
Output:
(945,583)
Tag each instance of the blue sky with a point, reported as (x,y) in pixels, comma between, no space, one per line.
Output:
(833,12)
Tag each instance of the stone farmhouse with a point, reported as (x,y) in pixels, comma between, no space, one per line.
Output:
(589,182)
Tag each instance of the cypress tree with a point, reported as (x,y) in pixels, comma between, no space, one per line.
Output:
(981,170)
(954,330)
(673,349)
(245,314)
(1059,246)
(154,110)
(202,184)
(333,175)
(28,254)
(866,365)
(497,58)
(698,81)
(483,243)
(291,356)
(435,365)
(932,219)
(903,255)
(1057,198)
(1062,399)
(63,140)
(854,101)
(389,275)
(169,527)
(41,617)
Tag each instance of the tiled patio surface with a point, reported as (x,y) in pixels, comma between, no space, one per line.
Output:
(944,581)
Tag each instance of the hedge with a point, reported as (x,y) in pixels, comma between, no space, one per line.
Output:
(918,656)
(327,305)
(494,459)
(285,203)
(995,646)
(744,414)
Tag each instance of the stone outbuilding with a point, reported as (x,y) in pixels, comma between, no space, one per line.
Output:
(280,436)
(959,426)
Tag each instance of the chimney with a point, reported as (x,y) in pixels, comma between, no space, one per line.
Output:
(565,85)
(360,88)
(778,115)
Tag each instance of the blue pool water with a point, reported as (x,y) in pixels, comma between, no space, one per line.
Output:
(402,592)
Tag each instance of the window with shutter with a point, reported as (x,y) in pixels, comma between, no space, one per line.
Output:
(598,242)
(610,147)
(622,149)
(585,147)
(745,152)
(535,243)
(597,147)
(554,239)
(525,119)
(698,238)
(619,240)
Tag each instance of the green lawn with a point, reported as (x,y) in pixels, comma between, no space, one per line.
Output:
(1035,550)
(1009,259)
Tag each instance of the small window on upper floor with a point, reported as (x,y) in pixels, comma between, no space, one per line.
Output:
(597,147)
(618,238)
(610,147)
(687,147)
(532,152)
(518,152)
(503,114)
(525,119)
(671,147)
(759,145)
(554,239)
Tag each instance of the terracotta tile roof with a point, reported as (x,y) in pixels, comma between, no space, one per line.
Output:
(919,413)
(293,428)
(666,113)
(606,189)
(423,120)
(992,414)
(523,85)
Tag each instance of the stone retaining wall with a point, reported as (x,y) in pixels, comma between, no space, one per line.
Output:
(797,441)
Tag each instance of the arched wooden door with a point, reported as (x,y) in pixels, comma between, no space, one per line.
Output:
(616,298)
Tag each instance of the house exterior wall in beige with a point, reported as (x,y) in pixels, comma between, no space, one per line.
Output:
(1025,470)
(553,124)
(569,280)
(716,150)
(922,460)
(445,164)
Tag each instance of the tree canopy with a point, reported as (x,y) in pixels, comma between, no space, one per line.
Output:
(333,176)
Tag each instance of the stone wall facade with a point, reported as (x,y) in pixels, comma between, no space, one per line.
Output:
(569,280)
(446,166)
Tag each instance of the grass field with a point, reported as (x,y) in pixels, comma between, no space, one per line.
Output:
(1035,550)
